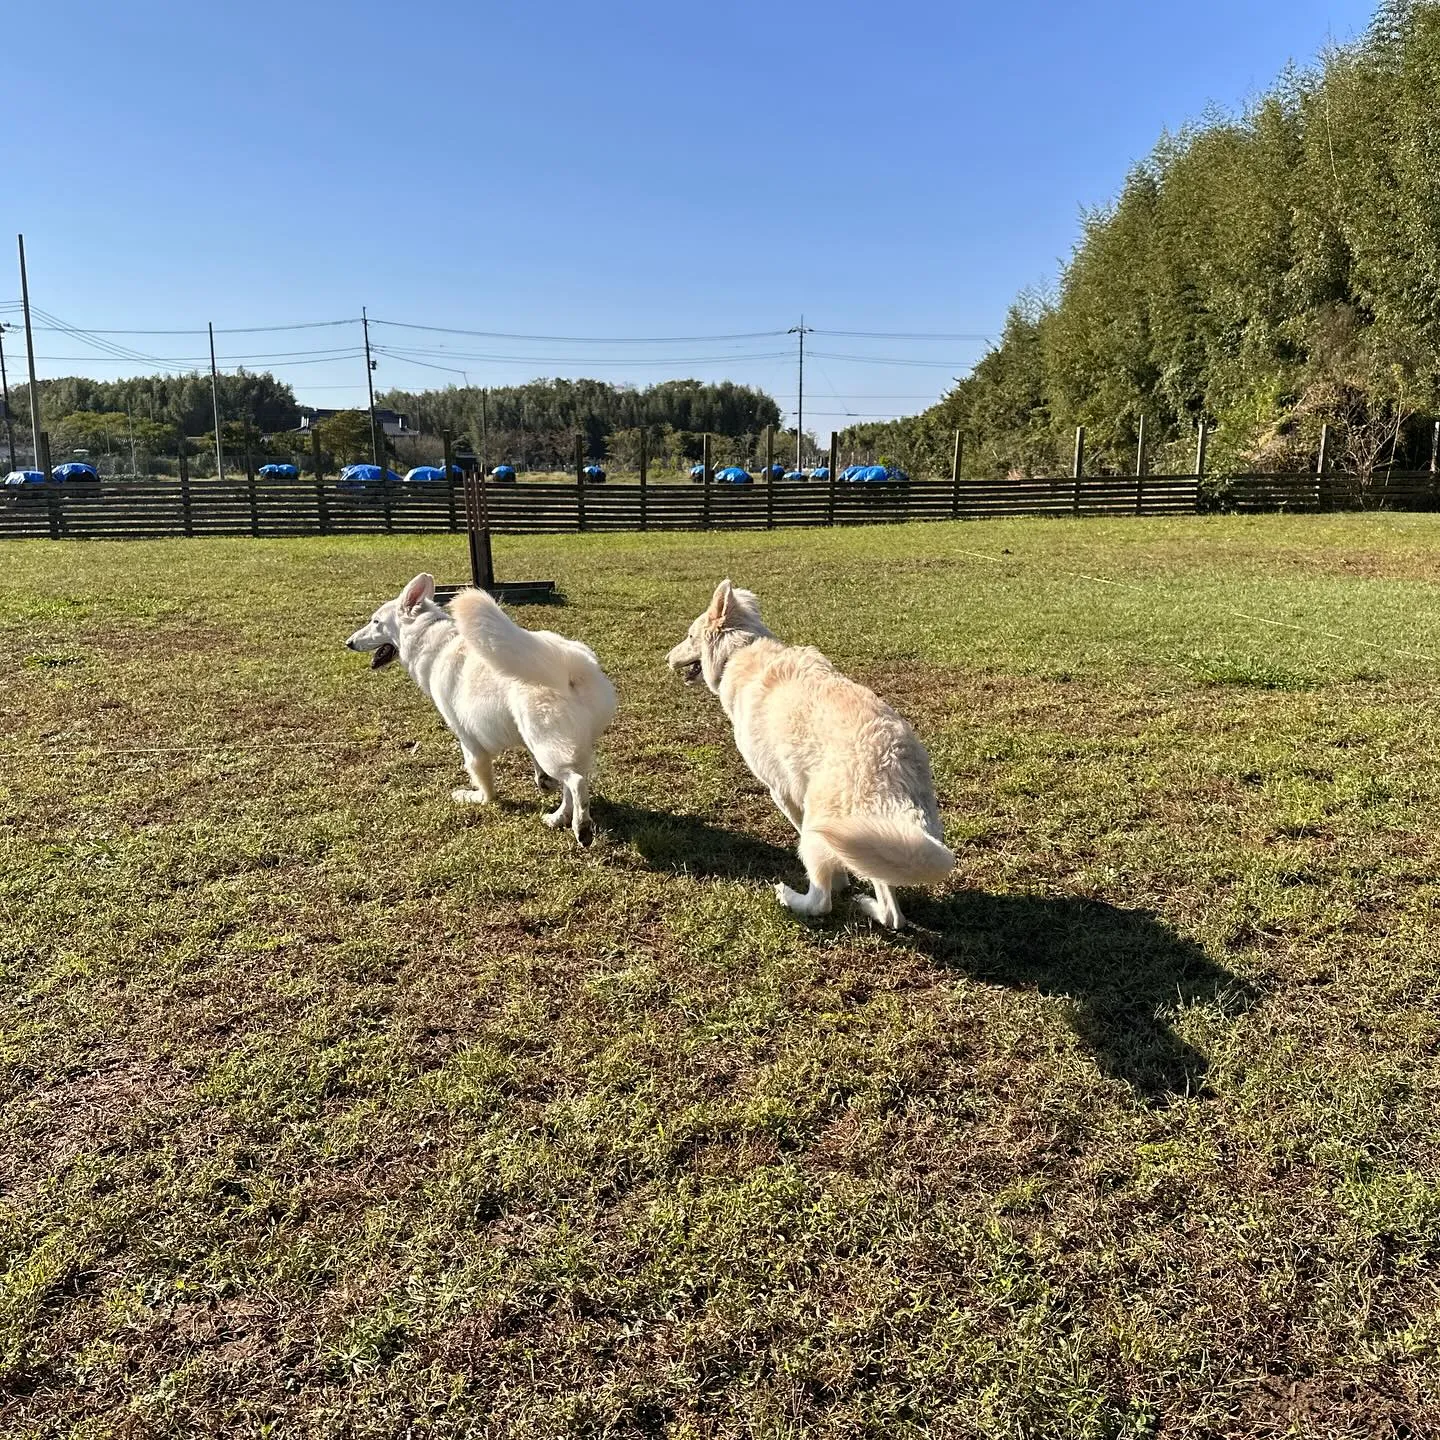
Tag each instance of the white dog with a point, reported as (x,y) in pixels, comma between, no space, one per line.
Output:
(848,772)
(498,685)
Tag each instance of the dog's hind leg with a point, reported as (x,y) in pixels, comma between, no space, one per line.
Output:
(884,909)
(482,776)
(577,792)
(543,782)
(822,869)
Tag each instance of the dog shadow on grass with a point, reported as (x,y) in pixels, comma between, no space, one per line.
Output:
(687,845)
(1125,971)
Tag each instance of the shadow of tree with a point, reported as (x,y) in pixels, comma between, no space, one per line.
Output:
(1126,971)
(687,845)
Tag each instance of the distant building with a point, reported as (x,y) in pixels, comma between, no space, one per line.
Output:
(392,422)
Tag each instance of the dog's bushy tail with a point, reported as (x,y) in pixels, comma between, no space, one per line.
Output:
(530,656)
(896,852)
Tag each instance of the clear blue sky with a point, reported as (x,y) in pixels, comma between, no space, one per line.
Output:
(596,170)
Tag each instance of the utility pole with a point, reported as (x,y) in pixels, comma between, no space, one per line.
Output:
(5,402)
(370,385)
(41,463)
(802,330)
(215,405)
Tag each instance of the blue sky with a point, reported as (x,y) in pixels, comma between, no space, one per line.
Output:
(617,170)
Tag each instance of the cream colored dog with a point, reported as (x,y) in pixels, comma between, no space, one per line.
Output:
(846,770)
(499,686)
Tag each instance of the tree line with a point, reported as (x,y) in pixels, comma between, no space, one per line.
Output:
(533,424)
(1267,273)
(536,424)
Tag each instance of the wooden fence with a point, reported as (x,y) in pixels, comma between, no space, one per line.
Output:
(154,508)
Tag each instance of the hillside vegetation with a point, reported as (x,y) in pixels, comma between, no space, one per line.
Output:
(1268,273)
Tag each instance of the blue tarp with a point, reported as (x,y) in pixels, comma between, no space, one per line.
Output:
(75,470)
(794,475)
(734,475)
(356,477)
(697,472)
(25,477)
(820,472)
(424,474)
(777,471)
(278,471)
(593,473)
(503,473)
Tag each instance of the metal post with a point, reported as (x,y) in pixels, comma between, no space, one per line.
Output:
(250,484)
(834,476)
(370,389)
(1078,470)
(322,505)
(445,439)
(769,477)
(955,459)
(182,464)
(1140,468)
(644,474)
(215,406)
(705,480)
(5,401)
(579,480)
(1202,437)
(484,431)
(30,359)
(1434,449)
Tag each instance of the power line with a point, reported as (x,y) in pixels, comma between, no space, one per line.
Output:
(903,335)
(586,339)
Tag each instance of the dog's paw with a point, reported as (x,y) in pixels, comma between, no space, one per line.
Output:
(879,914)
(556,819)
(585,834)
(470,797)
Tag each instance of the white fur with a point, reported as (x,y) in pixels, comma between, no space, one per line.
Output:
(847,772)
(499,686)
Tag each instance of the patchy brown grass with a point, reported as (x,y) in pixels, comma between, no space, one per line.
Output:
(332,1109)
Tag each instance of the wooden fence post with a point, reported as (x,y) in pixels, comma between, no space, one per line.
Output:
(955,458)
(250,488)
(1322,463)
(182,465)
(385,497)
(579,481)
(1140,469)
(1434,458)
(322,505)
(705,480)
(644,473)
(446,439)
(834,477)
(1078,469)
(769,477)
(1202,437)
(484,555)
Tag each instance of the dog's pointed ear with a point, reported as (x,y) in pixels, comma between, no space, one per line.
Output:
(720,603)
(419,590)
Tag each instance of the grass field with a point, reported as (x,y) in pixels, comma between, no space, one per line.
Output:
(333,1109)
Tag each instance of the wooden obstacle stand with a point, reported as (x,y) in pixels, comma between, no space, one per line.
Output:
(482,561)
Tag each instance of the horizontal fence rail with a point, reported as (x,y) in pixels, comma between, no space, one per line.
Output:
(161,507)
